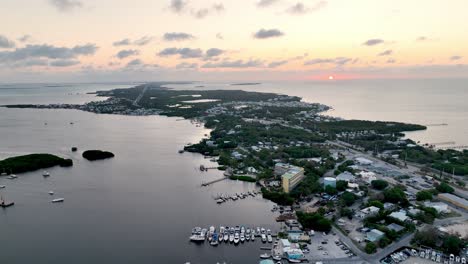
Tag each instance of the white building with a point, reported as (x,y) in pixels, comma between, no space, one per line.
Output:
(400,215)
(368,176)
(440,207)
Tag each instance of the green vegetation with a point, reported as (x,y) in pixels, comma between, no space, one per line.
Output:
(32,162)
(341,185)
(348,198)
(92,155)
(280,198)
(370,248)
(446,160)
(443,187)
(243,178)
(424,195)
(395,195)
(431,237)
(360,125)
(379,184)
(314,221)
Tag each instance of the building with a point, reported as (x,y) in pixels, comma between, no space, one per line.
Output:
(453,199)
(282,168)
(375,235)
(372,210)
(292,178)
(346,176)
(368,176)
(439,207)
(395,227)
(329,181)
(363,161)
(400,215)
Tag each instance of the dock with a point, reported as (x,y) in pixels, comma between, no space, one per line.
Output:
(6,204)
(213,181)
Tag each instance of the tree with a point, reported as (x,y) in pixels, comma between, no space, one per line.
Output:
(443,187)
(379,184)
(395,195)
(341,185)
(348,198)
(370,248)
(452,244)
(424,195)
(330,190)
(426,237)
(314,221)
(384,241)
(377,204)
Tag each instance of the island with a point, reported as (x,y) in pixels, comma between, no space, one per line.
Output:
(323,172)
(32,162)
(93,155)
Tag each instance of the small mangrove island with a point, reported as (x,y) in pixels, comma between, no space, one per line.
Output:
(93,155)
(32,162)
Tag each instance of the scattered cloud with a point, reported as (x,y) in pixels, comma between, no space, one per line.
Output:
(268,33)
(300,57)
(184,53)
(234,64)
(127,53)
(391,61)
(185,65)
(373,42)
(275,64)
(48,51)
(219,36)
(456,57)
(338,61)
(64,63)
(177,6)
(143,41)
(66,5)
(213,52)
(25,38)
(177,36)
(201,13)
(218,7)
(6,43)
(424,39)
(386,53)
(300,9)
(266,3)
(138,42)
(135,62)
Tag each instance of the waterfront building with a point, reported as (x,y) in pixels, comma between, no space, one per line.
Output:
(292,178)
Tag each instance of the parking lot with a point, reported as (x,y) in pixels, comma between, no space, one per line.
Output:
(327,246)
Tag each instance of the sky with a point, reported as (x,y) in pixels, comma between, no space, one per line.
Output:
(215,40)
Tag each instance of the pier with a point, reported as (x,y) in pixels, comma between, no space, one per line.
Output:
(213,181)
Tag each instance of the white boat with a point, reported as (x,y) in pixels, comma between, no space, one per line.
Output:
(197,238)
(247,237)
(264,238)
(277,257)
(220,237)
(236,238)
(242,237)
(2,186)
(262,230)
(264,256)
(269,238)
(252,237)
(294,261)
(51,193)
(231,238)
(46,174)
(226,237)
(58,200)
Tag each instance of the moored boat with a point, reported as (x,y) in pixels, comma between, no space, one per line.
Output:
(58,200)
(264,256)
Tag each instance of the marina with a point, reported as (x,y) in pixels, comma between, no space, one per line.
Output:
(231,235)
(222,198)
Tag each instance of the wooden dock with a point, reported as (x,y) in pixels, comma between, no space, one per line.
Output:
(213,181)
(6,204)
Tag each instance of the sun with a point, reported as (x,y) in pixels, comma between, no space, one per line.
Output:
(331,77)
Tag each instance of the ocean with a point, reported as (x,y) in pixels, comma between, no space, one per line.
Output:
(140,206)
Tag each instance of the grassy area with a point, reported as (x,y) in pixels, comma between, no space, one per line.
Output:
(243,178)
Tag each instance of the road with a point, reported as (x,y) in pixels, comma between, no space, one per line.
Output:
(140,96)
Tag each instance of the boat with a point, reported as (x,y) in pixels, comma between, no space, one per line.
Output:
(262,230)
(12,176)
(276,257)
(264,256)
(242,229)
(231,238)
(46,174)
(269,238)
(2,186)
(294,260)
(219,201)
(58,200)
(252,237)
(226,236)
(181,151)
(220,237)
(242,237)
(197,235)
(236,238)
(214,240)
(257,231)
(264,238)
(4,203)
(247,237)
(51,193)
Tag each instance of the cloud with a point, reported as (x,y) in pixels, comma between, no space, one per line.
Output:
(64,63)
(391,61)
(201,13)
(138,42)
(266,3)
(300,9)
(456,57)
(185,65)
(204,12)
(218,7)
(66,5)
(127,53)
(275,64)
(177,36)
(24,38)
(338,61)
(373,42)
(143,41)
(6,43)
(234,64)
(219,36)
(48,51)
(385,53)
(177,6)
(303,56)
(184,53)
(268,33)
(30,63)
(213,52)
(135,62)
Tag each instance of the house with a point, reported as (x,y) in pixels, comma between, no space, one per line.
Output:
(389,206)
(439,207)
(371,210)
(375,235)
(363,161)
(400,215)
(395,227)
(368,176)
(346,176)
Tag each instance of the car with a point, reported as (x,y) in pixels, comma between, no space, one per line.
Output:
(324,242)
(463,260)
(325,253)
(457,259)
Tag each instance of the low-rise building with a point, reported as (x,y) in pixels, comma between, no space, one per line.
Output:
(292,178)
(368,176)
(395,227)
(329,181)
(439,207)
(375,235)
(400,215)
(346,176)
(371,210)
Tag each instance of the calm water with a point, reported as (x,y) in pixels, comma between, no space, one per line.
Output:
(140,206)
